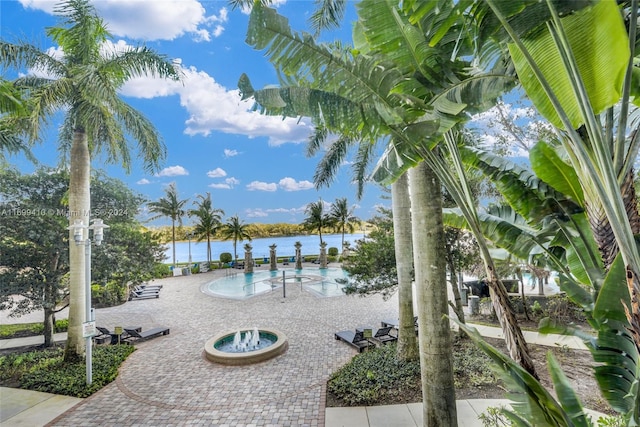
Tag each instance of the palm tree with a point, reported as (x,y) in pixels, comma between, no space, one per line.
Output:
(208,220)
(316,218)
(342,217)
(84,85)
(172,207)
(237,230)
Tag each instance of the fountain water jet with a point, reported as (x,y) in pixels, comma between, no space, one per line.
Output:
(245,346)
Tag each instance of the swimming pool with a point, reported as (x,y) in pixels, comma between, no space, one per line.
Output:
(320,281)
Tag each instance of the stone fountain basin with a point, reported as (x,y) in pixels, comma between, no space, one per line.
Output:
(212,354)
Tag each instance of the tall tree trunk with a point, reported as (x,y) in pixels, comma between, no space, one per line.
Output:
(79,208)
(401,207)
(49,324)
(173,239)
(457,304)
(436,361)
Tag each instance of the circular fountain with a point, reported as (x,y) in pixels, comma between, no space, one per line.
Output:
(245,346)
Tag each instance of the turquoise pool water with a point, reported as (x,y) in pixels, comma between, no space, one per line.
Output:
(320,281)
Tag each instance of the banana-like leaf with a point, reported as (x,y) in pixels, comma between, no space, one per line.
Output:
(529,195)
(599,43)
(615,348)
(549,167)
(515,239)
(566,395)
(531,401)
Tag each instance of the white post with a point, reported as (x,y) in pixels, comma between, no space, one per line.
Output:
(87,273)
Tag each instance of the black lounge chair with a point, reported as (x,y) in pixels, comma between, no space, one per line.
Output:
(133,335)
(355,339)
(112,336)
(143,295)
(383,335)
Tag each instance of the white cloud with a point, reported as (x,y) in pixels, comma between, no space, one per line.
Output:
(212,107)
(216,173)
(173,171)
(274,3)
(230,153)
(143,181)
(290,184)
(262,186)
(228,184)
(44,5)
(255,213)
(220,186)
(151,20)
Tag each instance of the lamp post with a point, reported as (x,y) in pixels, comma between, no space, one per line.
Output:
(98,228)
(189,236)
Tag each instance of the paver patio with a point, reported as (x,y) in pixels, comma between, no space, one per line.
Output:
(167,381)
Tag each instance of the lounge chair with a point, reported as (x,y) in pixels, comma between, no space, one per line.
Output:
(383,335)
(143,295)
(142,290)
(394,323)
(148,286)
(355,339)
(133,335)
(113,337)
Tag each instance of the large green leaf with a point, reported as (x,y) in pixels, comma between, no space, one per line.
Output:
(549,167)
(566,395)
(529,195)
(531,401)
(599,43)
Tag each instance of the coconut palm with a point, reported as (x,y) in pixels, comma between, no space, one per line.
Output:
(83,84)
(14,121)
(172,207)
(342,217)
(208,220)
(358,106)
(235,229)
(316,218)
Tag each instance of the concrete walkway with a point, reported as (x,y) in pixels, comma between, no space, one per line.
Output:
(167,382)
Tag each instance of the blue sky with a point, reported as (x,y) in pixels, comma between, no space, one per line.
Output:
(253,165)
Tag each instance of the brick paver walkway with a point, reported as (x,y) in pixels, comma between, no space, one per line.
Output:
(168,382)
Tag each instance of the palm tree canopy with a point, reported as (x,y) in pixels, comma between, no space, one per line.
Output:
(169,206)
(235,229)
(342,216)
(208,219)
(84,82)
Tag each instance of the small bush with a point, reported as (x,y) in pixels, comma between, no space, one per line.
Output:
(333,251)
(226,257)
(45,370)
(374,375)
(161,270)
(378,376)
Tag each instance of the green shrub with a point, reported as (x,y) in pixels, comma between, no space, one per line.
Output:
(61,325)
(333,251)
(114,292)
(373,376)
(45,370)
(226,257)
(161,270)
(378,376)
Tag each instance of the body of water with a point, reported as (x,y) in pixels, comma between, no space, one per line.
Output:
(285,247)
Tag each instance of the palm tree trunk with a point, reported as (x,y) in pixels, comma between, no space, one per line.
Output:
(438,392)
(401,205)
(79,208)
(208,250)
(173,239)
(602,228)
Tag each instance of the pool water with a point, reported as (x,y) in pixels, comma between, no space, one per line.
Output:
(320,281)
